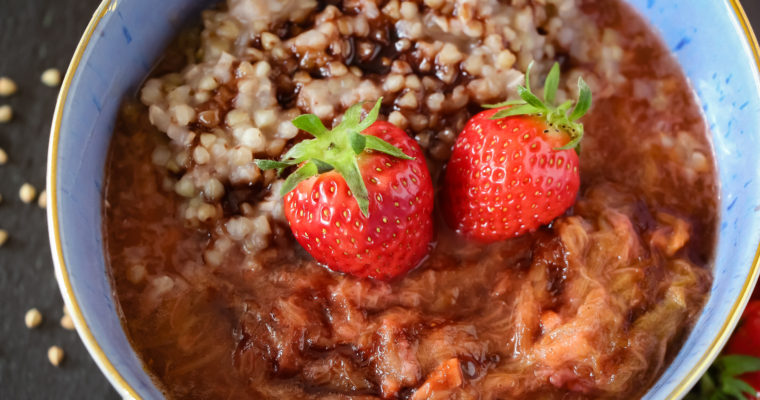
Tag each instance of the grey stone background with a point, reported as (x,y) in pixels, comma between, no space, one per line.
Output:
(36,35)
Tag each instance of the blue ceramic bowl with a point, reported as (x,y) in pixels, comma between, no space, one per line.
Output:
(711,39)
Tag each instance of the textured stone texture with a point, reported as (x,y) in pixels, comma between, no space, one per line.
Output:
(36,35)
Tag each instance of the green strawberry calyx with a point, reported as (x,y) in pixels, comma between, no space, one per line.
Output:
(722,381)
(336,149)
(557,116)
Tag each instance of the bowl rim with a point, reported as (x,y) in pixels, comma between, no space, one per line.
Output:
(126,390)
(61,272)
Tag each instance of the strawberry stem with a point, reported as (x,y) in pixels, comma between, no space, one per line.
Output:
(556,116)
(335,149)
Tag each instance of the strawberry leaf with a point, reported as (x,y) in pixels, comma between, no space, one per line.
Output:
(299,152)
(525,109)
(552,84)
(336,149)
(375,143)
(572,144)
(584,101)
(358,141)
(707,384)
(322,166)
(722,381)
(371,116)
(530,98)
(564,107)
(527,76)
(736,387)
(504,104)
(271,164)
(353,177)
(736,364)
(546,109)
(747,389)
(303,173)
(310,123)
(352,115)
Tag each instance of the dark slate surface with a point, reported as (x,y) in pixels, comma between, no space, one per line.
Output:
(36,35)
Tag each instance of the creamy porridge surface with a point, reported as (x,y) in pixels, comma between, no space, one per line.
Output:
(220,302)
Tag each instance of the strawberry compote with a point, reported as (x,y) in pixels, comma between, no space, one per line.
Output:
(220,302)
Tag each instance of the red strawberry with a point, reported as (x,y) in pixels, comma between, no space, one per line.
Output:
(361,200)
(514,168)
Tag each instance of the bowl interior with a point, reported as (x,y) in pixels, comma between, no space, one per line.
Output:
(125,38)
(703,35)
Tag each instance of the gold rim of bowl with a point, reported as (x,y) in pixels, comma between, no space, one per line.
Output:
(125,389)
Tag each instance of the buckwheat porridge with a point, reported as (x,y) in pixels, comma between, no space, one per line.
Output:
(220,300)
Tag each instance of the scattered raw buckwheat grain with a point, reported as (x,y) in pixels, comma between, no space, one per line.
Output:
(55,355)
(7,86)
(42,200)
(27,193)
(33,318)
(51,77)
(6,113)
(67,322)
